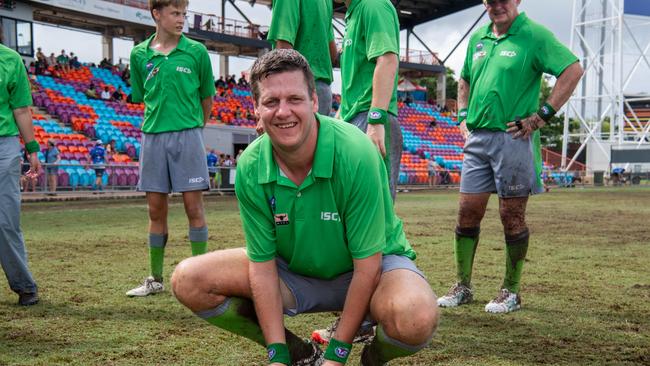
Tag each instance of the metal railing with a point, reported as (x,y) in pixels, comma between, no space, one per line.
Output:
(218,24)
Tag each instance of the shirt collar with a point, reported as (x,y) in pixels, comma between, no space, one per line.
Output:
(514,27)
(267,168)
(181,46)
(353,5)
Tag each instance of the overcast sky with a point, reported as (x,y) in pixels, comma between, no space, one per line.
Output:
(440,35)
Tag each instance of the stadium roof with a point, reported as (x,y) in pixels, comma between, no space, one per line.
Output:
(411,12)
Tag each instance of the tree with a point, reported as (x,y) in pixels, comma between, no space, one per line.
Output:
(431,83)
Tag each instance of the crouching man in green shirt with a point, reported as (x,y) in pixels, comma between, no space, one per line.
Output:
(321,235)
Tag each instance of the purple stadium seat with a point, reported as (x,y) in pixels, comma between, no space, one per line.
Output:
(63,179)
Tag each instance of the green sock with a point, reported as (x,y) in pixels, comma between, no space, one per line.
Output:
(237,315)
(516,248)
(157,243)
(199,240)
(384,348)
(464,250)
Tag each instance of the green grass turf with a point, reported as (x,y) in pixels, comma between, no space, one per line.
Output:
(585,290)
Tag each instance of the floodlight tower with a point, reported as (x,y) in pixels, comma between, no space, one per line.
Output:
(612,43)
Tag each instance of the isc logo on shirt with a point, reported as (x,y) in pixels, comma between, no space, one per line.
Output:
(330,216)
(184,70)
(508,53)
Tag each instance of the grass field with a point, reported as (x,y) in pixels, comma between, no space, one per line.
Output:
(585,291)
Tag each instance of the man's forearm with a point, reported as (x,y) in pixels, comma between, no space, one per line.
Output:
(383,80)
(23,118)
(206,105)
(357,301)
(283,44)
(463,93)
(334,54)
(565,85)
(265,287)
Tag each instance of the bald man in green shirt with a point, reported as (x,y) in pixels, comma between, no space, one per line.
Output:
(500,117)
(321,235)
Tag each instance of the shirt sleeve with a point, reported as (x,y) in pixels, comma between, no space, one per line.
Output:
(285,20)
(259,229)
(206,78)
(19,91)
(364,216)
(137,84)
(552,56)
(380,29)
(465,73)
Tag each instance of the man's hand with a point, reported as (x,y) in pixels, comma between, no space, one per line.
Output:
(35,166)
(463,130)
(377,135)
(526,127)
(276,364)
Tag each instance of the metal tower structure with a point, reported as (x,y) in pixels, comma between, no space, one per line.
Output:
(611,39)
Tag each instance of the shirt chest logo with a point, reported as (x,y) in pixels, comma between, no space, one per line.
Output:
(330,216)
(183,69)
(281,219)
(347,43)
(479,54)
(510,54)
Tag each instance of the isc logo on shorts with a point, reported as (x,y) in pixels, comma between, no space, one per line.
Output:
(330,216)
(184,70)
(197,180)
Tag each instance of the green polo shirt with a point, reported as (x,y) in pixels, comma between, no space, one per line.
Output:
(307,25)
(14,90)
(505,73)
(371,30)
(343,209)
(171,86)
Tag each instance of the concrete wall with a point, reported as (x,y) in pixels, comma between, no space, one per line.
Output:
(223,138)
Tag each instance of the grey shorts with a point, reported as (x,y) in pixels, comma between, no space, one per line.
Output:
(173,162)
(393,142)
(324,93)
(495,162)
(315,295)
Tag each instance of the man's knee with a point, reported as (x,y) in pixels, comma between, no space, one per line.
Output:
(513,215)
(411,319)
(188,284)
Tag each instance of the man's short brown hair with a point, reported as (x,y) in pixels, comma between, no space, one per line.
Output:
(279,61)
(159,4)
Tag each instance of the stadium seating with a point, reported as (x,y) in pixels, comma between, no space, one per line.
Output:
(84,119)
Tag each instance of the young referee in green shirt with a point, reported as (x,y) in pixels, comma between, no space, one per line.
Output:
(321,235)
(172,75)
(498,97)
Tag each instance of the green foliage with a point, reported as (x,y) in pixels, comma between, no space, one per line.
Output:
(431,83)
(585,289)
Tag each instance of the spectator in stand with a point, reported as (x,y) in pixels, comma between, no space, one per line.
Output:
(229,162)
(91,92)
(222,159)
(120,66)
(433,123)
(98,158)
(52,158)
(105,64)
(51,60)
(238,112)
(118,95)
(408,100)
(74,63)
(106,93)
(110,149)
(126,75)
(241,151)
(242,81)
(250,116)
(432,167)
(56,71)
(63,61)
(220,83)
(232,81)
(213,161)
(40,56)
(31,70)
